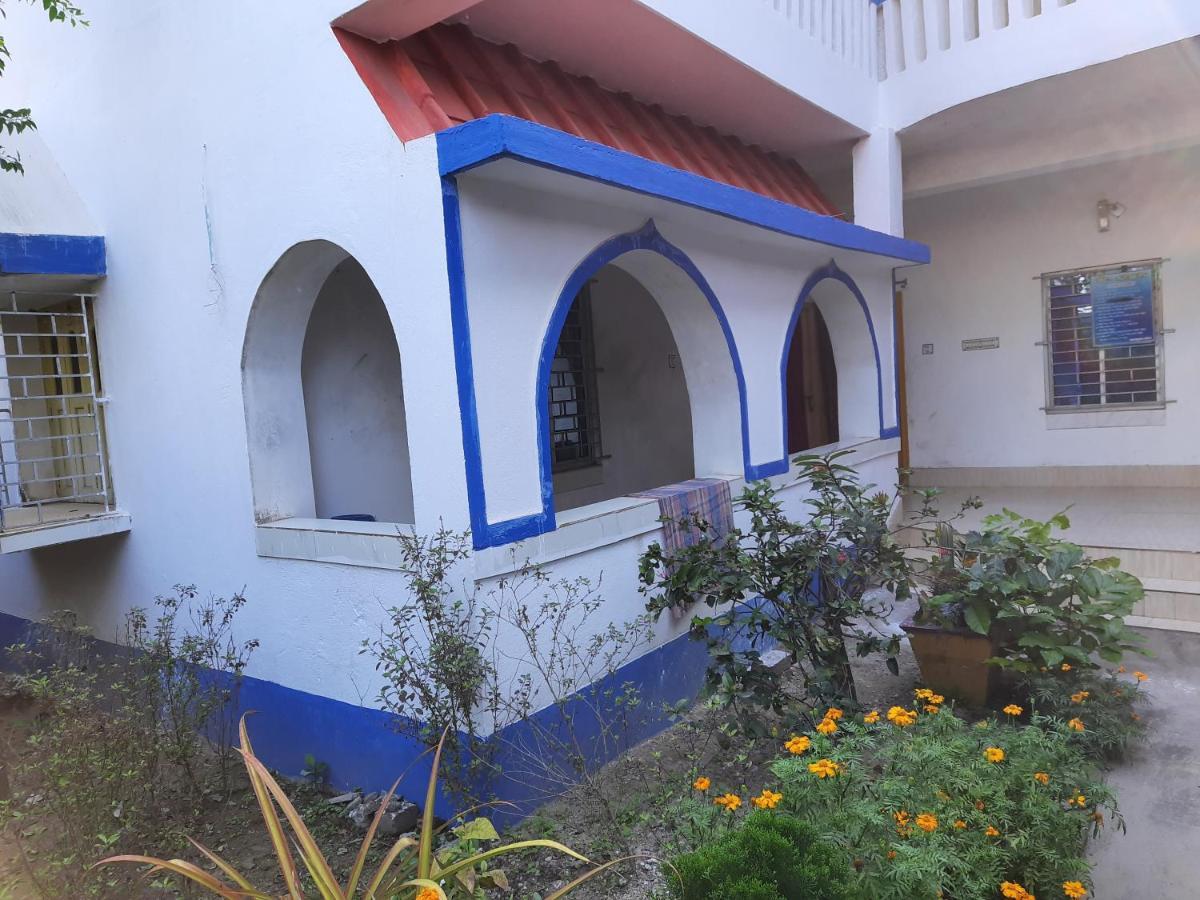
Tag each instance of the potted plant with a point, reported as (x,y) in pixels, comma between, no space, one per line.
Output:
(1013,596)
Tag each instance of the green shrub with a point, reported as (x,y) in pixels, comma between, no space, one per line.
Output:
(1106,703)
(771,857)
(921,809)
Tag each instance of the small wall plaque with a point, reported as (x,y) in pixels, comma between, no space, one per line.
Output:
(988,343)
(927,349)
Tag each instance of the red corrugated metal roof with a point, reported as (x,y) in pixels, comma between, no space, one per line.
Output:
(445,75)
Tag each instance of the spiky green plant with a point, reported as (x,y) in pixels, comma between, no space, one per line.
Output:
(272,801)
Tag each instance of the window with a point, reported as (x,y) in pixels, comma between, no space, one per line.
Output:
(1104,337)
(574,412)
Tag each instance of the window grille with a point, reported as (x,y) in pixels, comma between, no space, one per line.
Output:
(52,459)
(574,412)
(1083,373)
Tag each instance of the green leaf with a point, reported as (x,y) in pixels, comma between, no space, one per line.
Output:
(477,830)
(978,616)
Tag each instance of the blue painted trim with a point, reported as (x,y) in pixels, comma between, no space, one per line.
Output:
(51,254)
(892,431)
(645,238)
(475,143)
(464,367)
(828,271)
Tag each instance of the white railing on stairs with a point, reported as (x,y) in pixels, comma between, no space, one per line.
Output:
(848,29)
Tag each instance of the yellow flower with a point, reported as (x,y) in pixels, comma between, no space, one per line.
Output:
(937,698)
(1066,667)
(729,801)
(1074,889)
(797,744)
(992,831)
(1013,710)
(833,713)
(993,754)
(1041,777)
(1014,891)
(960,824)
(1079,696)
(903,828)
(826,726)
(702,783)
(1141,676)
(427,894)
(923,694)
(767,799)
(927,822)
(872,717)
(982,724)
(902,717)
(1076,725)
(824,768)
(1079,800)
(931,709)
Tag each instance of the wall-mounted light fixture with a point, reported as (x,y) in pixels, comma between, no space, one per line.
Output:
(1106,211)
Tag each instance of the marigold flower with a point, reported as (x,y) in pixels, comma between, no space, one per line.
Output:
(1014,891)
(1079,800)
(427,894)
(730,802)
(932,709)
(1041,777)
(992,831)
(923,694)
(833,713)
(927,822)
(1079,696)
(702,783)
(767,799)
(983,724)
(937,698)
(872,717)
(824,768)
(902,717)
(1013,710)
(960,824)
(1141,676)
(797,744)
(1121,669)
(826,726)
(1076,725)
(1074,889)
(1066,667)
(993,754)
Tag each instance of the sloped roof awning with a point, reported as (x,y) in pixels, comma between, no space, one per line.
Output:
(45,229)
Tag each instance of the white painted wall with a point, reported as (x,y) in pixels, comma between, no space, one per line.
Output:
(354,402)
(645,413)
(983,408)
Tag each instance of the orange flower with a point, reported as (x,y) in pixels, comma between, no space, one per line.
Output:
(427,894)
(960,824)
(797,744)
(824,768)
(901,717)
(993,754)
(1121,669)
(827,726)
(1014,891)
(992,831)
(767,799)
(1041,777)
(1013,710)
(702,783)
(1074,889)
(1066,667)
(927,822)
(1079,696)
(1076,725)
(931,709)
(833,713)
(872,717)
(891,854)
(730,802)
(1141,676)
(1079,800)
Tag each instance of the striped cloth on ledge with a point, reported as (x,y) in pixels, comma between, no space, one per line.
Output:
(707,498)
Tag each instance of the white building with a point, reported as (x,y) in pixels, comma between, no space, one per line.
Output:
(503,264)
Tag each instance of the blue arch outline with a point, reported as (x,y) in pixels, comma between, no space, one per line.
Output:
(648,238)
(829,271)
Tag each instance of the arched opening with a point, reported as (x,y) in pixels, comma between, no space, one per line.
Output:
(619,411)
(832,380)
(812,393)
(324,398)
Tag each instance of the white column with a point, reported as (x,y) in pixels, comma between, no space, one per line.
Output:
(878,182)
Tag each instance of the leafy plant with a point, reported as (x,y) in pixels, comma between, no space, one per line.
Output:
(921,802)
(423,873)
(1040,598)
(15,121)
(770,857)
(800,584)
(1106,703)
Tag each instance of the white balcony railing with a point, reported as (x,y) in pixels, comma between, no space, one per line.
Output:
(848,29)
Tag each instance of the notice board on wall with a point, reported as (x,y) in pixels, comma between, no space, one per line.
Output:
(1122,308)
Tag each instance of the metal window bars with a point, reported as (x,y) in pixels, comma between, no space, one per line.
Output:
(574,409)
(53,464)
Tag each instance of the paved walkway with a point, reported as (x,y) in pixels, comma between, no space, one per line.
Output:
(1159,787)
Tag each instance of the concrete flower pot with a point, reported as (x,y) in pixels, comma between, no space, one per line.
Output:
(953,661)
